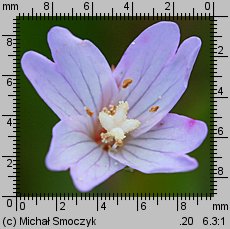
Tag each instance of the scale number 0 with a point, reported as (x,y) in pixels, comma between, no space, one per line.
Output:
(20,205)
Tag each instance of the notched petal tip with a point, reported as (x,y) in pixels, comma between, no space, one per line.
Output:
(60,33)
(27,57)
(192,44)
(81,183)
(187,53)
(86,176)
(49,163)
(201,129)
(181,163)
(188,163)
(56,30)
(196,41)
(194,164)
(30,56)
(52,165)
(189,49)
(168,24)
(31,61)
(169,28)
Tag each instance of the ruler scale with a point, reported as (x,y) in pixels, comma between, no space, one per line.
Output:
(21,209)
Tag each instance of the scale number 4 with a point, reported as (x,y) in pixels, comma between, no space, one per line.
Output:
(220,91)
(9,122)
(103,206)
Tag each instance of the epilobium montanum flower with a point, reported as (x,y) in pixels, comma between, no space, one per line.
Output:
(110,119)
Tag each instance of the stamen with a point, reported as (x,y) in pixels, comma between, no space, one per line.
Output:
(119,143)
(153,108)
(110,111)
(113,67)
(88,111)
(106,138)
(126,83)
(117,125)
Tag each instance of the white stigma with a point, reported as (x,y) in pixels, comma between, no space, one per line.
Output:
(116,123)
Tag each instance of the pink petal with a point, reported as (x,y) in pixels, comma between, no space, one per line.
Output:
(84,67)
(147,55)
(174,134)
(53,88)
(68,145)
(163,148)
(72,148)
(148,161)
(93,169)
(160,74)
(167,88)
(144,60)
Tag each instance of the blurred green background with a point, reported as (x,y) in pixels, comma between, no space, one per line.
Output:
(112,38)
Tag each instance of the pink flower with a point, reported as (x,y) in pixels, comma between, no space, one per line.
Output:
(112,119)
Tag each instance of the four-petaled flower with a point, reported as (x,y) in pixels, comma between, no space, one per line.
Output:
(116,118)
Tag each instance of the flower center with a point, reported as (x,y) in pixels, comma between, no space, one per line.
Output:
(114,120)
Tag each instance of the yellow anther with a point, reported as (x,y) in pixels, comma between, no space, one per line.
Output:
(126,83)
(119,143)
(110,111)
(88,111)
(153,108)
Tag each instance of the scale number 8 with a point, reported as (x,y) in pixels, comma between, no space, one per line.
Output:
(183,206)
(46,5)
(220,171)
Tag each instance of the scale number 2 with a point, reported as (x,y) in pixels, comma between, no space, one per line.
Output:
(9,163)
(167,5)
